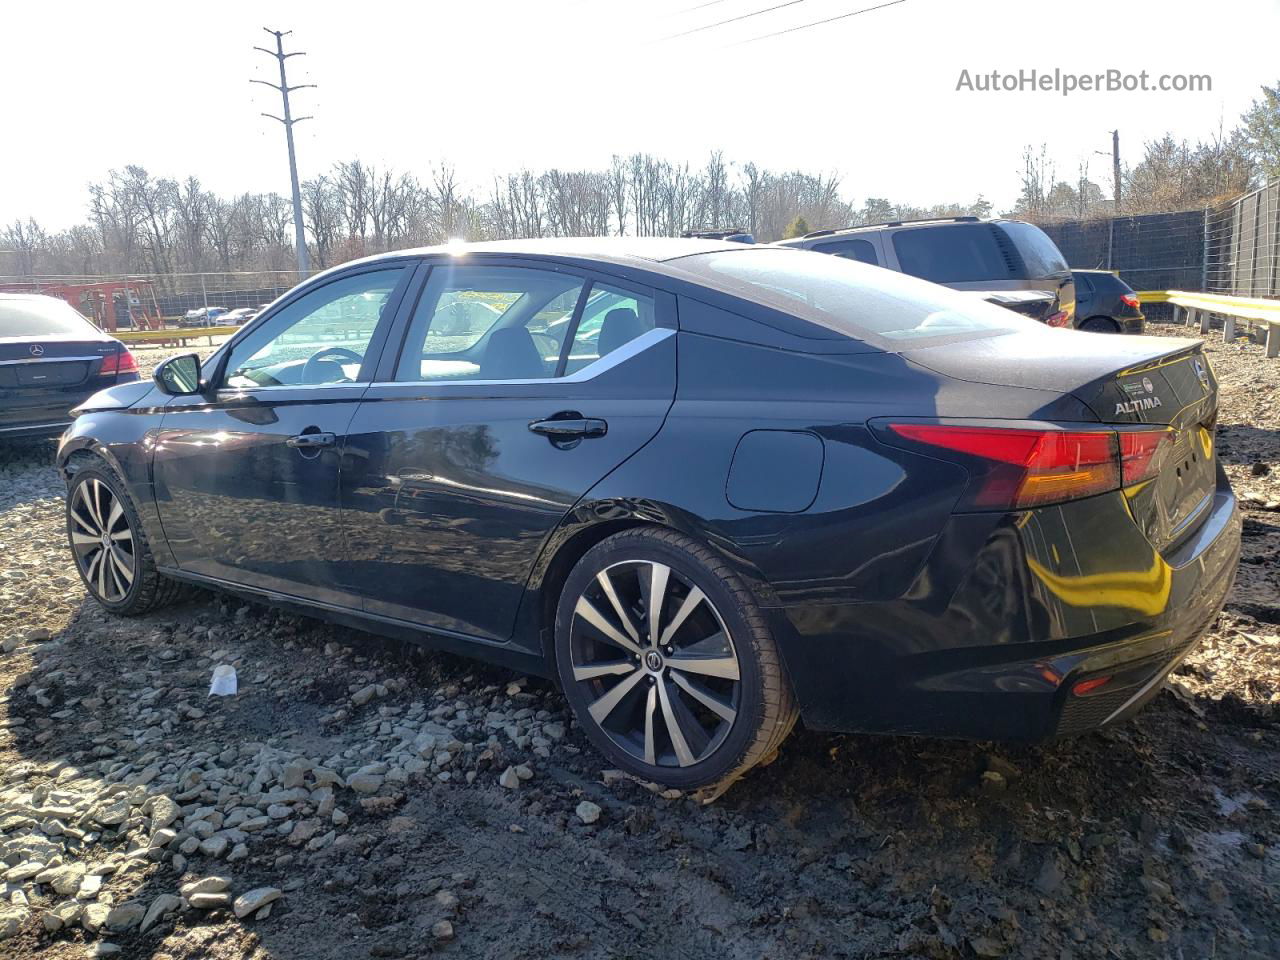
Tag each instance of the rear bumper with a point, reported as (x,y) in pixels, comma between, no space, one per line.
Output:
(995,654)
(1132,324)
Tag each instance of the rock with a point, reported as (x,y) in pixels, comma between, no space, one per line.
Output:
(292,775)
(103,949)
(364,695)
(588,812)
(1155,887)
(509,779)
(987,947)
(365,782)
(125,916)
(442,930)
(64,880)
(1256,850)
(993,782)
(524,771)
(95,916)
(11,921)
(447,900)
(1051,875)
(208,901)
(113,814)
(255,900)
(1001,766)
(205,885)
(215,846)
(163,812)
(165,903)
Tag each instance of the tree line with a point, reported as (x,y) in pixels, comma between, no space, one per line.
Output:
(141,223)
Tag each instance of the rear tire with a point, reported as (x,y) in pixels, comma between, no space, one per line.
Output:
(1100,325)
(111,551)
(697,705)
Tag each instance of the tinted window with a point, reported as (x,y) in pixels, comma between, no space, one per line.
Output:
(864,251)
(952,254)
(319,338)
(610,319)
(489,323)
(1039,253)
(41,317)
(1084,284)
(851,299)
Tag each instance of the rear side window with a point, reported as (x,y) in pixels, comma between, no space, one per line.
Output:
(850,299)
(41,317)
(952,254)
(1039,253)
(864,251)
(1083,283)
(611,318)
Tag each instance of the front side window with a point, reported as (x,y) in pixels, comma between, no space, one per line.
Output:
(320,338)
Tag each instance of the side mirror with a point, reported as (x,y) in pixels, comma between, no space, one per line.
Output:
(179,376)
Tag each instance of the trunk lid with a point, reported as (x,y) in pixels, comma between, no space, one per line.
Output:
(1127,382)
(33,364)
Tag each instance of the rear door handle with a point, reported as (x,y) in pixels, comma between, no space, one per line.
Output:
(574,429)
(306,441)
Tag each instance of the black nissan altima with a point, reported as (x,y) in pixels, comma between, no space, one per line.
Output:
(709,487)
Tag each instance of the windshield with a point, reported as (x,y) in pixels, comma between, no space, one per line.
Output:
(850,298)
(41,317)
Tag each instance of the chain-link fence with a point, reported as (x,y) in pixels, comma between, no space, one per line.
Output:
(135,299)
(1241,253)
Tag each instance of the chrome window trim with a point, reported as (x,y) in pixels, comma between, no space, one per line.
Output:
(592,370)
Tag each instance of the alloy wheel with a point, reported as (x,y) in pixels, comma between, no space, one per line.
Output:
(656,662)
(102,540)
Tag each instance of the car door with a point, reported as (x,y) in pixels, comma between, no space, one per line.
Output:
(516,389)
(246,473)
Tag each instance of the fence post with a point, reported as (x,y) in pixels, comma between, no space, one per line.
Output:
(1273,339)
(204,294)
(1204,321)
(1228,329)
(1204,254)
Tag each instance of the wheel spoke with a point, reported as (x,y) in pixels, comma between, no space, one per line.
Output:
(612,668)
(681,746)
(114,516)
(704,697)
(85,524)
(650,706)
(587,611)
(84,540)
(125,534)
(726,668)
(115,579)
(91,501)
(659,573)
(119,564)
(601,709)
(606,584)
(690,604)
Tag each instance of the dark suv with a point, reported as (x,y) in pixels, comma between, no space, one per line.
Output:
(1106,304)
(1011,258)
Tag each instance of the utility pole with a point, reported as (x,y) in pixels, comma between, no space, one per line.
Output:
(299,235)
(1115,163)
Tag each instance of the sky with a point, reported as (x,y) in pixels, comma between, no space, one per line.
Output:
(495,86)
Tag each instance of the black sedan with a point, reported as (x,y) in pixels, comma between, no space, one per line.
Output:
(710,487)
(51,359)
(1106,304)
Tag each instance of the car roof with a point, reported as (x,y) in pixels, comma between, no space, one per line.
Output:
(634,251)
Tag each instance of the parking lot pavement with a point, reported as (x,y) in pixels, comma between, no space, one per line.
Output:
(358,797)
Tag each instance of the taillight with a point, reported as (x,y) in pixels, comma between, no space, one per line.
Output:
(1141,454)
(1059,319)
(1016,468)
(117,363)
(1130,300)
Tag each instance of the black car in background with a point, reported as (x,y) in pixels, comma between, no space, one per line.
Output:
(51,359)
(1106,304)
(1014,263)
(709,486)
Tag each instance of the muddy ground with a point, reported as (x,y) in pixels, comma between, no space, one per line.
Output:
(398,803)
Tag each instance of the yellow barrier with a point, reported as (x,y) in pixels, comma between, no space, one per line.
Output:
(173,334)
(1200,307)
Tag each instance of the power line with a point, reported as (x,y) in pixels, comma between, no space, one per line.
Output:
(299,235)
(721,23)
(818,23)
(709,3)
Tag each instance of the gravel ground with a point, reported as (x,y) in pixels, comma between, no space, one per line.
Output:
(363,798)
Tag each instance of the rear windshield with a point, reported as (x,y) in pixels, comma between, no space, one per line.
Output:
(849,298)
(40,317)
(1039,253)
(952,254)
(1102,281)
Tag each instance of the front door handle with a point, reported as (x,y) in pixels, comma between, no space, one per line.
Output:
(570,429)
(307,441)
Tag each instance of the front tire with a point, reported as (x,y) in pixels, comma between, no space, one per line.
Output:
(667,662)
(111,551)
